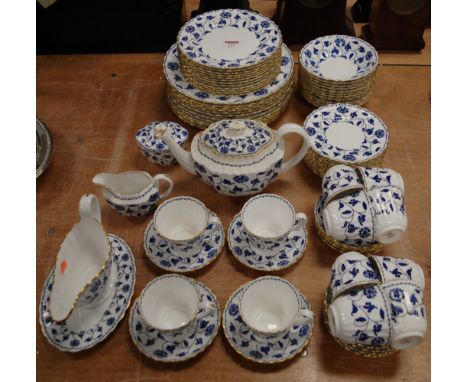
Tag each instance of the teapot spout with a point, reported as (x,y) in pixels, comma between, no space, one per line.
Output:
(182,156)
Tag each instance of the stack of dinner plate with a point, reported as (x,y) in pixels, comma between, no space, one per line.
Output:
(337,69)
(229,63)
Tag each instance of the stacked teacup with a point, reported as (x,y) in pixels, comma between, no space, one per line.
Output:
(374,305)
(361,209)
(228,63)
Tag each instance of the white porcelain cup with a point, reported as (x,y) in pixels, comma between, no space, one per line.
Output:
(271,305)
(390,220)
(408,314)
(377,177)
(268,219)
(339,180)
(182,222)
(172,303)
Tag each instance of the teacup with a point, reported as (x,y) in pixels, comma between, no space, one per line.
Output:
(268,219)
(133,193)
(172,304)
(81,272)
(270,306)
(338,180)
(350,270)
(378,177)
(408,314)
(349,219)
(182,222)
(390,220)
(361,317)
(399,269)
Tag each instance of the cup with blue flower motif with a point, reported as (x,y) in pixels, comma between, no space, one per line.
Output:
(361,317)
(181,222)
(408,314)
(399,269)
(268,219)
(171,304)
(351,270)
(378,177)
(338,180)
(349,219)
(270,306)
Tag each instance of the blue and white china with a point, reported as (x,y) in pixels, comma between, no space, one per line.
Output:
(346,133)
(149,141)
(176,346)
(407,314)
(339,58)
(338,180)
(287,253)
(163,255)
(350,219)
(260,348)
(229,38)
(175,78)
(238,157)
(361,317)
(350,270)
(86,327)
(389,213)
(399,269)
(378,177)
(185,225)
(81,271)
(133,193)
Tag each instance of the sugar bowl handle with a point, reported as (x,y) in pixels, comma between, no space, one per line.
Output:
(89,207)
(297,129)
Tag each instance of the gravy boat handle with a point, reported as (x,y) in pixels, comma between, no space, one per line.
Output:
(170,184)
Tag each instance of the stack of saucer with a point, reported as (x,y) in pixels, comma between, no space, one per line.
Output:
(337,68)
(228,64)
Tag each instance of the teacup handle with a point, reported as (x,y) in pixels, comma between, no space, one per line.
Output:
(305,316)
(170,184)
(297,129)
(89,207)
(206,308)
(213,219)
(301,221)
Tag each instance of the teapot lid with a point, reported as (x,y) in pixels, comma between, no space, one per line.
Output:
(149,137)
(236,139)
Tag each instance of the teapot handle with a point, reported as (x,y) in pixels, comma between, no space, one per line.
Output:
(293,128)
(89,207)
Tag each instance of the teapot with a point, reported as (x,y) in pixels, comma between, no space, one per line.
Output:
(238,156)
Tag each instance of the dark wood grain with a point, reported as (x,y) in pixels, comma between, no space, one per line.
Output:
(93,106)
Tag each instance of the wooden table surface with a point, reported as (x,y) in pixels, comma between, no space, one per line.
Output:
(93,106)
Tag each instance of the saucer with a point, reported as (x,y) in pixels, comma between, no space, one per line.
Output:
(294,248)
(159,252)
(171,348)
(262,349)
(96,323)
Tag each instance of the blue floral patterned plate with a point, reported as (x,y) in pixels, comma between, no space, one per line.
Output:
(261,349)
(161,254)
(346,133)
(170,348)
(287,255)
(176,79)
(97,323)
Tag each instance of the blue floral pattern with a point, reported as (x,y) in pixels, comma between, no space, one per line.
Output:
(170,259)
(288,252)
(266,32)
(360,53)
(375,135)
(263,349)
(153,148)
(387,201)
(239,185)
(138,209)
(377,177)
(175,347)
(399,269)
(176,79)
(253,142)
(61,337)
(406,299)
(339,179)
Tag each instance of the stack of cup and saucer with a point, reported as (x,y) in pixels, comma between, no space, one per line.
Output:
(268,320)
(184,235)
(90,287)
(268,235)
(174,319)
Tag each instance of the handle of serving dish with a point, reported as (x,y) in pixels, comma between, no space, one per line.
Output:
(89,207)
(170,184)
(297,129)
